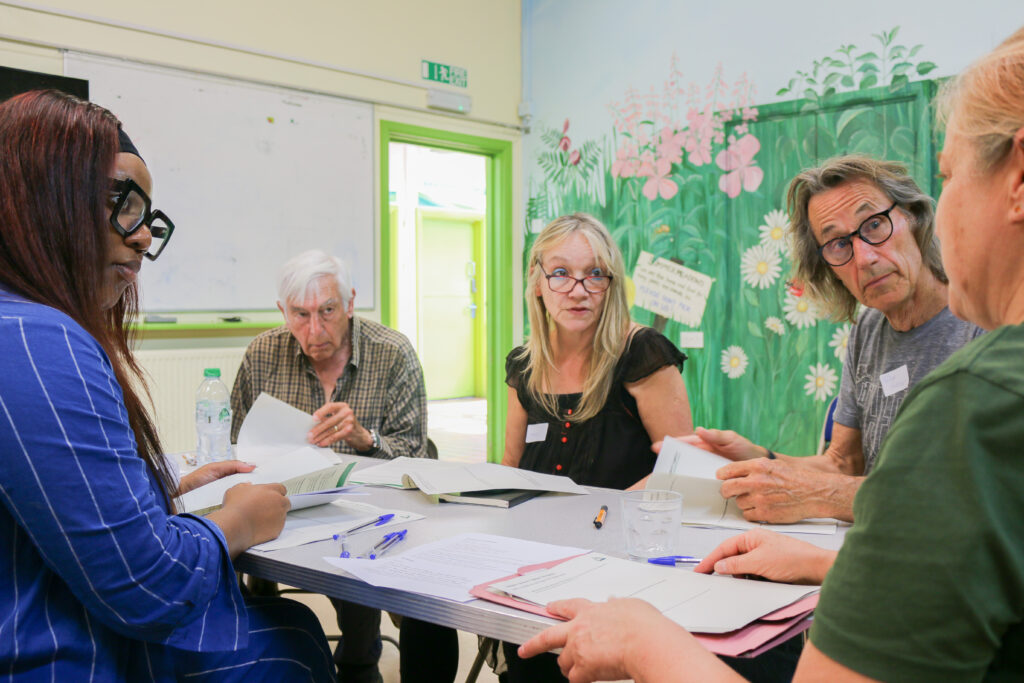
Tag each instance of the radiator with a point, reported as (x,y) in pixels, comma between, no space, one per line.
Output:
(174,376)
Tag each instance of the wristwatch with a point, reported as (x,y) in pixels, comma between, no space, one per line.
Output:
(375,436)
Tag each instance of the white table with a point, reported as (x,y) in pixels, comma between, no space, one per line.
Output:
(551,518)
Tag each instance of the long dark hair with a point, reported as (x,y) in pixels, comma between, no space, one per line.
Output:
(56,159)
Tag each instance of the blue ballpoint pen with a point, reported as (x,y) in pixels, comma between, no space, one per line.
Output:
(383,519)
(386,543)
(673,560)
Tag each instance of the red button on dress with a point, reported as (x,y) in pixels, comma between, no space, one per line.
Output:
(558,467)
(564,439)
(566,425)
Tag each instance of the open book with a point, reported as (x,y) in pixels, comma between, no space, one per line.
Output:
(273,438)
(691,471)
(434,477)
(308,477)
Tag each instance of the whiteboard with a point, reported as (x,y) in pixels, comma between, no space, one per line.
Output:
(250,174)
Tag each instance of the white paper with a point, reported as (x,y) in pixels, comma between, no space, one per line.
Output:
(488,475)
(309,526)
(536,432)
(451,567)
(691,471)
(389,473)
(701,603)
(691,340)
(272,428)
(296,463)
(895,381)
(671,290)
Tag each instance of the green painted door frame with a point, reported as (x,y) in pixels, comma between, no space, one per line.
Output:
(500,264)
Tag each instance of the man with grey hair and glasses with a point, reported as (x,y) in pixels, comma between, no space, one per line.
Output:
(362,382)
(862,233)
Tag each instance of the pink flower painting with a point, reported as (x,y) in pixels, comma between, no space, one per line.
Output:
(658,183)
(738,162)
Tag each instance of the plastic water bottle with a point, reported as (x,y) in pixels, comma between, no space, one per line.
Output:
(213,419)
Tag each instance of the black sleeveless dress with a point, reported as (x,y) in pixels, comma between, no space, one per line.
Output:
(612,449)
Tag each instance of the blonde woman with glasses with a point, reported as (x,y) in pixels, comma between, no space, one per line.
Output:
(590,390)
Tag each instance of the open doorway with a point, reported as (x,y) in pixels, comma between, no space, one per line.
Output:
(437,211)
(447,268)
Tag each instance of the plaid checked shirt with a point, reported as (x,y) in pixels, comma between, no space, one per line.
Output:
(383,383)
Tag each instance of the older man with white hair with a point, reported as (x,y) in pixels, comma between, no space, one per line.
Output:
(363,383)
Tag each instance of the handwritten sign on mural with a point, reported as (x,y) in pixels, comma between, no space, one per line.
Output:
(671,290)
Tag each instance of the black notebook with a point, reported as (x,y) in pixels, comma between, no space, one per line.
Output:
(498,498)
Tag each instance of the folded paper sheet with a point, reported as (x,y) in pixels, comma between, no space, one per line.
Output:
(691,471)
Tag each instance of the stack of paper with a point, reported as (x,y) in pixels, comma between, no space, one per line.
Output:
(691,471)
(434,477)
(742,616)
(450,568)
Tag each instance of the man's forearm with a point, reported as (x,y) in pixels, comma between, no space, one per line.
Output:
(837,499)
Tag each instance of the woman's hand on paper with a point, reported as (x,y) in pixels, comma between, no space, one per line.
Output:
(211,472)
(769,555)
(337,422)
(622,639)
(251,514)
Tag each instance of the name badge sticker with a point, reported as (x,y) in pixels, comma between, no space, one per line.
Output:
(537,432)
(895,381)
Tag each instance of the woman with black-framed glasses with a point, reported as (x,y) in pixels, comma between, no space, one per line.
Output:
(590,390)
(102,580)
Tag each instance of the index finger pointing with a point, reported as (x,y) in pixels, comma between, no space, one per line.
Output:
(545,641)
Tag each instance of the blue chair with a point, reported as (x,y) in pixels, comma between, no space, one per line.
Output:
(826,428)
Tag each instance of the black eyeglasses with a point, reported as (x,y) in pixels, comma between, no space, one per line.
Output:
(564,283)
(875,230)
(131,208)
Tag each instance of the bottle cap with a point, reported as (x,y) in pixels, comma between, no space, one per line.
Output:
(211,372)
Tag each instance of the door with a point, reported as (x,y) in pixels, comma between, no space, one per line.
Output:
(449,277)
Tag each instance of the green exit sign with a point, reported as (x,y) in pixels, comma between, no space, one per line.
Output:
(443,73)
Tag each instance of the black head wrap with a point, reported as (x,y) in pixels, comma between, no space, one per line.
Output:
(126,145)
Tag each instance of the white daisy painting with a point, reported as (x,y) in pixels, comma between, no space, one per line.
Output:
(773,232)
(821,382)
(760,266)
(800,312)
(774,324)
(734,362)
(840,340)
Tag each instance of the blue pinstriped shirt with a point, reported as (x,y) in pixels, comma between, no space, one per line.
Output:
(90,560)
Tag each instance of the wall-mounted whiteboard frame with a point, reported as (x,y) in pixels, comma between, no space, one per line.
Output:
(250,174)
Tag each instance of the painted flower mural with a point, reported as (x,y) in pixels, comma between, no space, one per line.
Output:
(821,382)
(773,232)
(800,311)
(738,162)
(697,174)
(734,362)
(773,324)
(840,340)
(761,266)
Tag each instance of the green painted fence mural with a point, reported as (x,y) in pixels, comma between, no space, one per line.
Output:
(698,174)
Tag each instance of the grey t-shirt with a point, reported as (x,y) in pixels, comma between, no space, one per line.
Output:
(883,364)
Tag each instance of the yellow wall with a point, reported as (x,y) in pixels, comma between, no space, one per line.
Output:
(385,39)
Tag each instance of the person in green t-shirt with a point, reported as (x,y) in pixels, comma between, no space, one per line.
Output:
(929,585)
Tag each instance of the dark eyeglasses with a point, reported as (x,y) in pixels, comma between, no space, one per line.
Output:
(131,208)
(875,230)
(563,284)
